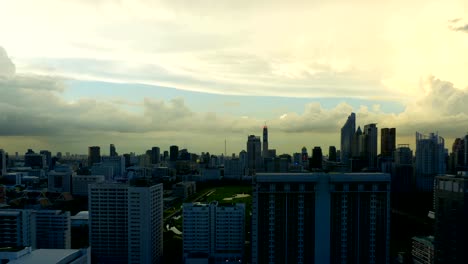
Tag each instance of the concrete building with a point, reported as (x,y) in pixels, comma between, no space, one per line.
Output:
(94,155)
(332,153)
(321,218)
(117,163)
(451,218)
(213,233)
(17,228)
(60,179)
(112,151)
(34,160)
(422,251)
(430,160)
(347,133)
(173,153)
(184,189)
(81,182)
(402,169)
(233,169)
(106,170)
(49,256)
(53,229)
(3,164)
(316,160)
(265,153)
(387,142)
(254,154)
(126,223)
(155,155)
(370,145)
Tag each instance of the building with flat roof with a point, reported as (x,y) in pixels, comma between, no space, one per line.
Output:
(81,182)
(17,228)
(49,256)
(321,218)
(422,251)
(53,229)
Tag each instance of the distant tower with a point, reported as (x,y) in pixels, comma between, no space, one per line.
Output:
(254,154)
(370,144)
(316,161)
(430,160)
(3,166)
(347,133)
(94,155)
(173,153)
(112,151)
(155,155)
(332,153)
(387,142)
(265,142)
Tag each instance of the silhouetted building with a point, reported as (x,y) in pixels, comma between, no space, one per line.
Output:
(370,145)
(155,155)
(422,251)
(265,153)
(430,160)
(316,161)
(127,160)
(321,218)
(402,169)
(173,153)
(112,151)
(254,154)
(3,163)
(387,142)
(451,218)
(347,133)
(48,158)
(332,153)
(94,155)
(60,179)
(34,160)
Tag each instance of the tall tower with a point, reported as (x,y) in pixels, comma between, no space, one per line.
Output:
(430,160)
(347,133)
(173,153)
(112,151)
(254,154)
(94,155)
(3,166)
(155,155)
(387,142)
(370,144)
(265,142)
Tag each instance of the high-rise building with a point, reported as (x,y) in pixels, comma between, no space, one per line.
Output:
(254,154)
(34,160)
(53,229)
(94,155)
(370,145)
(126,223)
(155,155)
(347,133)
(332,153)
(321,218)
(316,161)
(17,228)
(3,164)
(402,169)
(81,182)
(117,163)
(60,179)
(173,153)
(112,151)
(48,157)
(265,153)
(430,160)
(451,216)
(422,251)
(214,233)
(357,145)
(387,142)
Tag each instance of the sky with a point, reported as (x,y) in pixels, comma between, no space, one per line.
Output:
(143,73)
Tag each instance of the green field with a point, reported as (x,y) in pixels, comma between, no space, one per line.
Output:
(229,192)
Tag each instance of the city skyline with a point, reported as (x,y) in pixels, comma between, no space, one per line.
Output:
(122,75)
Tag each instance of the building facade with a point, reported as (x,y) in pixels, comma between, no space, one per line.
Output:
(387,142)
(430,160)
(254,154)
(53,229)
(347,133)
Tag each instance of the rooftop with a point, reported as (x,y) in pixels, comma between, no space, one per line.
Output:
(61,256)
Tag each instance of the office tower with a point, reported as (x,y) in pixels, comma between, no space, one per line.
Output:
(265,153)
(3,164)
(34,160)
(126,223)
(117,163)
(316,161)
(357,145)
(214,233)
(81,182)
(53,229)
(304,155)
(155,155)
(48,158)
(332,153)
(174,153)
(17,228)
(254,154)
(347,133)
(402,169)
(370,145)
(321,218)
(94,155)
(459,155)
(422,251)
(60,179)
(387,142)
(165,155)
(451,218)
(233,169)
(112,151)
(430,160)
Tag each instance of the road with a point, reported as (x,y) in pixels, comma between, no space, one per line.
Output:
(189,200)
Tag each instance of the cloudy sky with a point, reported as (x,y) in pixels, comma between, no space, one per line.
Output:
(193,73)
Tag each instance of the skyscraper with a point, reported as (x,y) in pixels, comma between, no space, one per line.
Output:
(48,158)
(155,155)
(321,218)
(451,217)
(3,167)
(370,145)
(402,169)
(347,133)
(94,155)
(265,142)
(387,142)
(126,223)
(254,154)
(112,151)
(316,161)
(332,153)
(173,153)
(430,160)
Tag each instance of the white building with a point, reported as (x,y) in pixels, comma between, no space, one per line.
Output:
(213,233)
(60,179)
(321,218)
(81,182)
(17,228)
(126,223)
(53,229)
